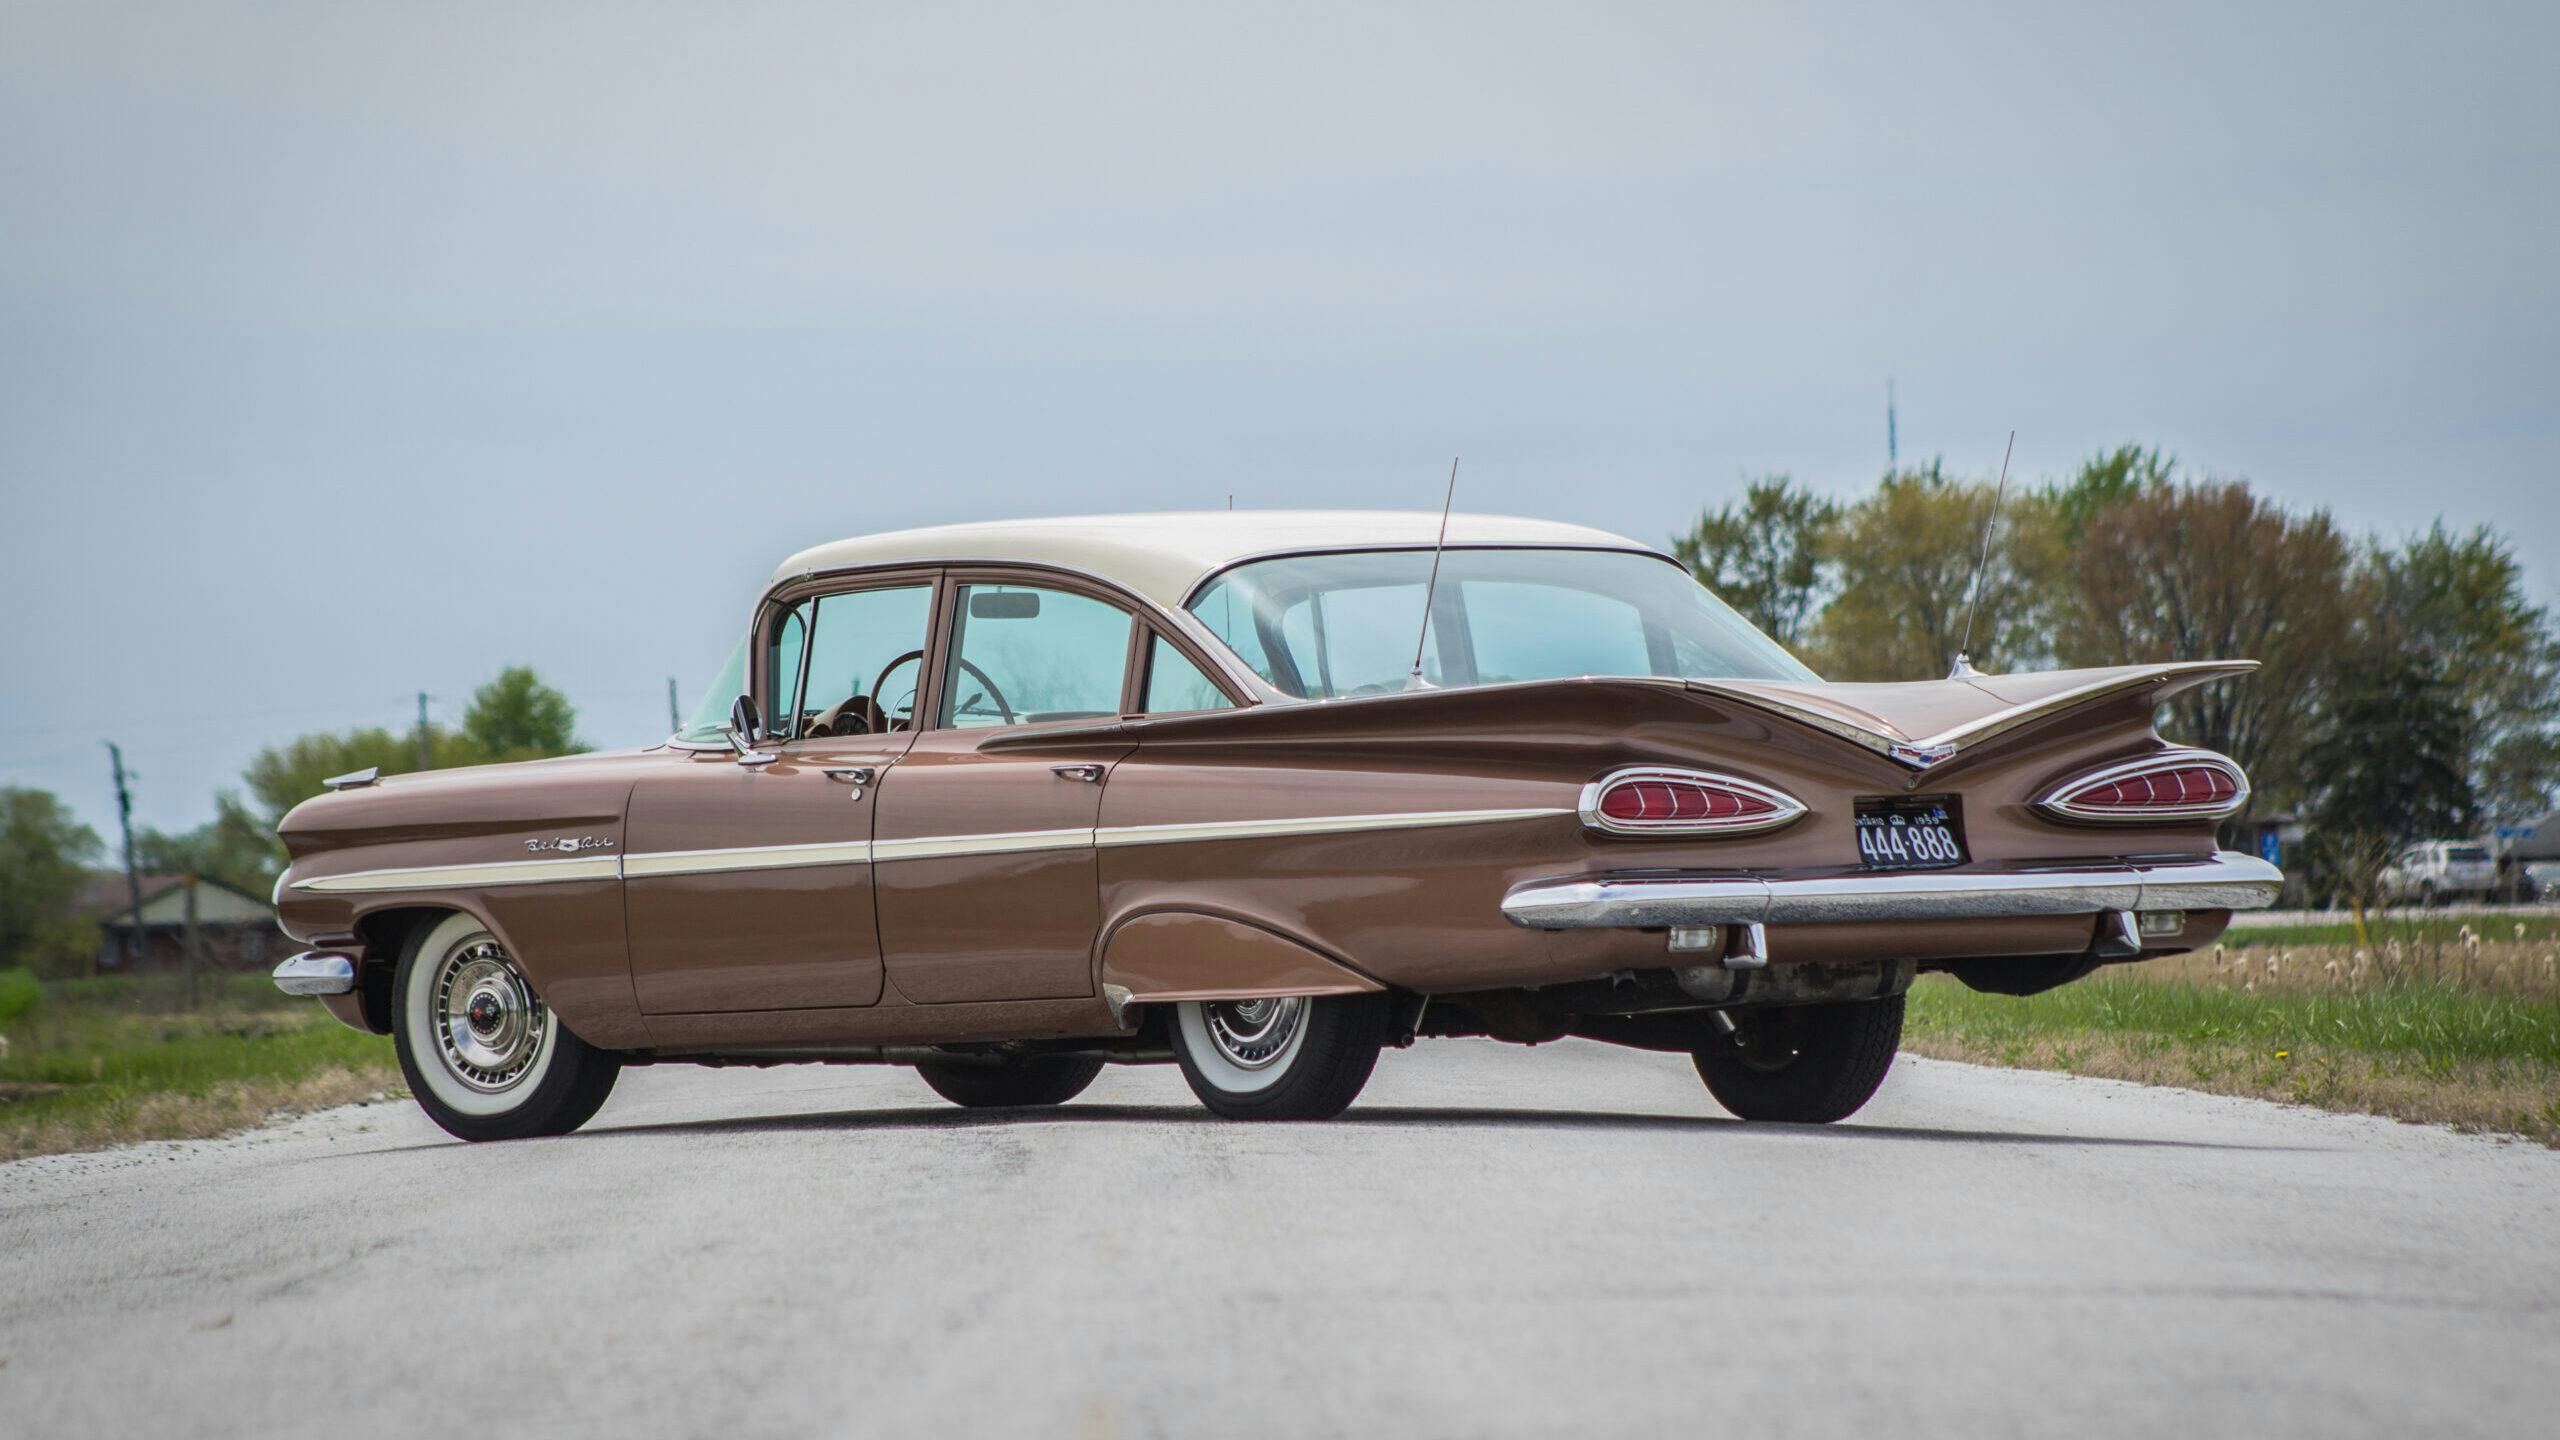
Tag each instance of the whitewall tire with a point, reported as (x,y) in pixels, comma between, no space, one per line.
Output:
(483,1054)
(1291,1058)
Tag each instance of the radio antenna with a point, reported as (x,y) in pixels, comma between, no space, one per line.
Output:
(1415,681)
(1963,668)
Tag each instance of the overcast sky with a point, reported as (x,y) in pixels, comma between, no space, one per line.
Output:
(353,350)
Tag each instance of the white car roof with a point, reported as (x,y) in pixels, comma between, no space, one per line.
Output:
(1163,556)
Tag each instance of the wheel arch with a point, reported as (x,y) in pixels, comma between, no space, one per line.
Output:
(1166,953)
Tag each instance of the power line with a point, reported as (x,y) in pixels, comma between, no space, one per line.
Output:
(344,707)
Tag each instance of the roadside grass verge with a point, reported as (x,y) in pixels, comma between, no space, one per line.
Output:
(2432,1051)
(95,1063)
(2409,928)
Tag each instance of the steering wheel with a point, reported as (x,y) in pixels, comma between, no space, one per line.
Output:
(852,715)
(995,692)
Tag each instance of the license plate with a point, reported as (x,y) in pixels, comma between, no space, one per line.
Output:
(1909,832)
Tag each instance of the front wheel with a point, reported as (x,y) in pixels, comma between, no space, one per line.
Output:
(1808,1064)
(486,1059)
(1290,1058)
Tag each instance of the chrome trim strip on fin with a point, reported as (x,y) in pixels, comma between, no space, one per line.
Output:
(1923,752)
(2227,881)
(1111,835)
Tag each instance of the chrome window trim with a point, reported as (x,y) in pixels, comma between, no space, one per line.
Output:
(2225,881)
(1789,809)
(1257,690)
(2053,801)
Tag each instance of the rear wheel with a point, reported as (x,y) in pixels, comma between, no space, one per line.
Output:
(1014,1083)
(1809,1064)
(486,1059)
(1291,1058)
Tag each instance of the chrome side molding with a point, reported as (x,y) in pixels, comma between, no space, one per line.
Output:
(2227,881)
(317,972)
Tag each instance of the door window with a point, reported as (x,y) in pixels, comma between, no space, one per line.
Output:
(1174,683)
(864,651)
(1023,654)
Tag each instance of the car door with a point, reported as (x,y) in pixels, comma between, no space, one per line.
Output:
(748,886)
(983,859)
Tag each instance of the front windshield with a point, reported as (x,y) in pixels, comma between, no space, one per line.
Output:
(713,712)
(1324,626)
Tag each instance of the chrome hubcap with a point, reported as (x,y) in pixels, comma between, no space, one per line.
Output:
(1254,1033)
(489,1026)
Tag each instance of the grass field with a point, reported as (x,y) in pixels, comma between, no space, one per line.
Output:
(2452,1033)
(93,1063)
(2410,928)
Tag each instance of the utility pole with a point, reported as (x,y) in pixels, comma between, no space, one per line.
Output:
(1892,442)
(195,947)
(124,818)
(675,722)
(426,757)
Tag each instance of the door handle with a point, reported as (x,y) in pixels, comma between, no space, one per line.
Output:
(1089,774)
(856,776)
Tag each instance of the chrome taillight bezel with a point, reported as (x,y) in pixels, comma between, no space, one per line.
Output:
(1785,809)
(2058,800)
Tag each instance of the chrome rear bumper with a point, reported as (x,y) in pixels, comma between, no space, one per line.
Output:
(2227,881)
(317,972)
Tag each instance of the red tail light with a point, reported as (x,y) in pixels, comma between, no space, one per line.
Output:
(2173,785)
(1683,802)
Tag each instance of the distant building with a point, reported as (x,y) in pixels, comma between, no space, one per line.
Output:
(237,930)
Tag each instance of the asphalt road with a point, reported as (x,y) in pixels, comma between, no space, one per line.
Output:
(1496,1241)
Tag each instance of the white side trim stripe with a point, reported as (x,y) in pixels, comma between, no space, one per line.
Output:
(939,847)
(746,857)
(449,877)
(861,852)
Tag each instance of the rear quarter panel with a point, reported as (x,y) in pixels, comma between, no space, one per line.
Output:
(1420,907)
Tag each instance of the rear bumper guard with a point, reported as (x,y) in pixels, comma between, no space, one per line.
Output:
(2227,881)
(317,972)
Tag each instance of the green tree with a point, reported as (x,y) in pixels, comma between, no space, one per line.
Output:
(1906,562)
(2209,571)
(513,717)
(2105,481)
(1767,556)
(2461,600)
(233,848)
(45,855)
(517,717)
(2390,766)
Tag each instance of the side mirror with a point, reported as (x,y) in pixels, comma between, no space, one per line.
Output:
(744,724)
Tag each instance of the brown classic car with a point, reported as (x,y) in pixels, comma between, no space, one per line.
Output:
(1010,802)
